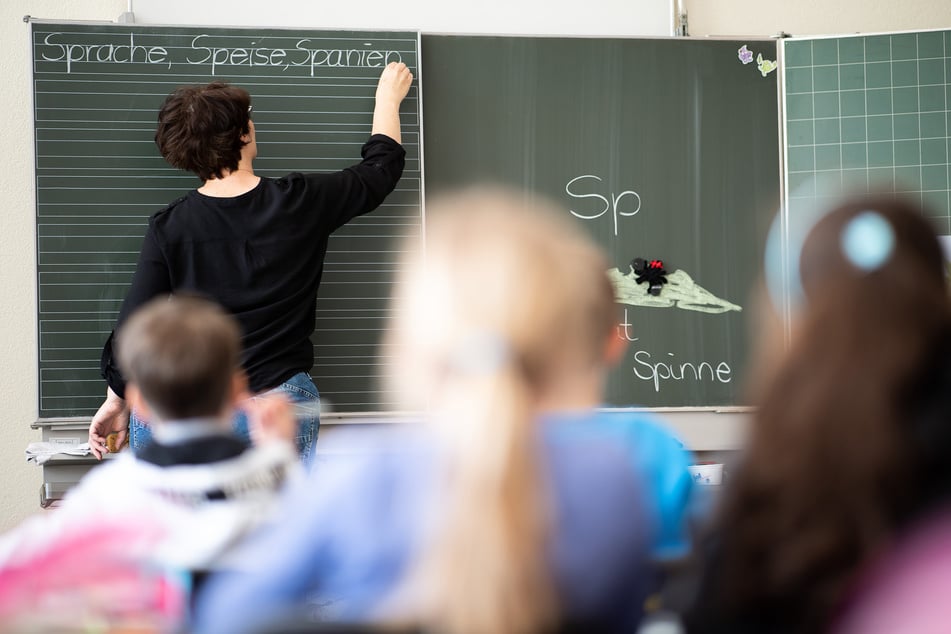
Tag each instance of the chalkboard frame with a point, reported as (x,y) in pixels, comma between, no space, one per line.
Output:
(723,408)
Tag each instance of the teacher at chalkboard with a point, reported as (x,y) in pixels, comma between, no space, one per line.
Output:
(254,244)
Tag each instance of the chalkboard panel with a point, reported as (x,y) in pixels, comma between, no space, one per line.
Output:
(663,148)
(97,90)
(870,111)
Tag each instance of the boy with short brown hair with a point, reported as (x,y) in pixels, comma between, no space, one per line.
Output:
(198,487)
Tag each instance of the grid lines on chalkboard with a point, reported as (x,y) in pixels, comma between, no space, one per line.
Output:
(99,177)
(870,113)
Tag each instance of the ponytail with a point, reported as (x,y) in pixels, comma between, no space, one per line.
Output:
(487,569)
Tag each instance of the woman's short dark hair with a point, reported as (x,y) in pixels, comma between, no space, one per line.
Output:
(200,128)
(181,353)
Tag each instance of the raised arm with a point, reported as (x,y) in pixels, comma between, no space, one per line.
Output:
(392,88)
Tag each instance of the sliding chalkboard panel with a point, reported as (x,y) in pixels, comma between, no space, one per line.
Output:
(97,90)
(870,111)
(664,148)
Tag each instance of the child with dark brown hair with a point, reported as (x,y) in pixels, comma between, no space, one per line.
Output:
(850,441)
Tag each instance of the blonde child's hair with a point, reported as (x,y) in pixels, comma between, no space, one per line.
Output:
(506,301)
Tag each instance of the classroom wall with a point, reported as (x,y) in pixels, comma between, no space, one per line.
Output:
(597,17)
(813,17)
(18,392)
(19,491)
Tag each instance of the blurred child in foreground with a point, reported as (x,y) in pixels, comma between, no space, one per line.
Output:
(518,508)
(181,502)
(851,438)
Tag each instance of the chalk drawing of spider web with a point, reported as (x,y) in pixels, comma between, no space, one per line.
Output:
(680,291)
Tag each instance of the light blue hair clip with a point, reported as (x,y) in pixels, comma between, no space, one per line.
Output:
(868,240)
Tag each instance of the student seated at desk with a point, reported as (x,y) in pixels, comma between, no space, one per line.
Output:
(850,443)
(517,508)
(183,500)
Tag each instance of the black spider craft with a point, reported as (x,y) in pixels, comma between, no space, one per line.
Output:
(650,271)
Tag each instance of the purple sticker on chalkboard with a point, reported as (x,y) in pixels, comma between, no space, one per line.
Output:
(745,54)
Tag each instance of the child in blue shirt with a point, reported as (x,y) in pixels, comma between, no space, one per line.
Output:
(517,506)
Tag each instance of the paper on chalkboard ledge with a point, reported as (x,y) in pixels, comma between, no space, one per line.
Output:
(41,452)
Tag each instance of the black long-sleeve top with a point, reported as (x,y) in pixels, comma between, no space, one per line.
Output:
(260,255)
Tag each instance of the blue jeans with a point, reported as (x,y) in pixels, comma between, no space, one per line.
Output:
(299,389)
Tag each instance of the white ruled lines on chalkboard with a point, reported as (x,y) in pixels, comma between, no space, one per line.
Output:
(96,94)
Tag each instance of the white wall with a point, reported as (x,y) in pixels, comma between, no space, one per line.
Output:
(597,17)
(814,17)
(20,481)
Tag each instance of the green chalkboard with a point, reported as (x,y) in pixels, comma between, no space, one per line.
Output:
(97,90)
(660,148)
(870,111)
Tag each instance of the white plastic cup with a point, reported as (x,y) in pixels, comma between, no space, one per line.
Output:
(707,474)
